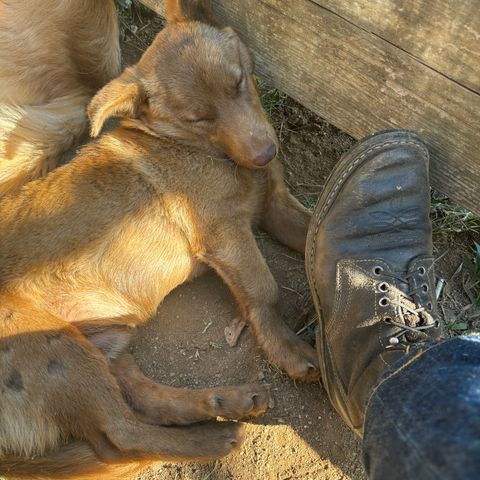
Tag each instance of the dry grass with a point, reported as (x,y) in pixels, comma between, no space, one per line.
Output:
(273,100)
(448,218)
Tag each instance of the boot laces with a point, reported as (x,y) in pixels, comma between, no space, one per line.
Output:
(412,320)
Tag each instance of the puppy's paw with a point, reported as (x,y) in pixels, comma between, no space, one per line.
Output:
(297,358)
(239,402)
(219,439)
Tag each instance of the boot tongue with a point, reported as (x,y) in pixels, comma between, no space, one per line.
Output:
(412,320)
(410,308)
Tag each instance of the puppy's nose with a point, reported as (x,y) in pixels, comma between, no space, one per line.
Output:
(267,155)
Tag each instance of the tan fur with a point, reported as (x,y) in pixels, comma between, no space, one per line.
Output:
(89,251)
(53,57)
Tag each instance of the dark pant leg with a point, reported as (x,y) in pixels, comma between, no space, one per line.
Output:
(423,421)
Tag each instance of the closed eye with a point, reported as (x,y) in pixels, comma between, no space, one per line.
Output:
(240,83)
(198,119)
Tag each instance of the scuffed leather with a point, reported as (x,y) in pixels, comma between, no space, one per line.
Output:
(375,213)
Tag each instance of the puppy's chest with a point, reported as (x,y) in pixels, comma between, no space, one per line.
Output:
(220,188)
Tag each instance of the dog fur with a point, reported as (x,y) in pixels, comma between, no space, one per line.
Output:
(53,57)
(89,251)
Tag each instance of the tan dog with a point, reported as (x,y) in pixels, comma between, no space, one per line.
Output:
(93,248)
(54,55)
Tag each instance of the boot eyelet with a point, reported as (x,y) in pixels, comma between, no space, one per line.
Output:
(383,302)
(422,271)
(387,319)
(393,341)
(377,270)
(429,306)
(383,287)
(425,287)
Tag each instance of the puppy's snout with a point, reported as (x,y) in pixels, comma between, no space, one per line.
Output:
(267,154)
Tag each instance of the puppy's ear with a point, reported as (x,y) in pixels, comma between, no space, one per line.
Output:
(122,97)
(190,11)
(246,56)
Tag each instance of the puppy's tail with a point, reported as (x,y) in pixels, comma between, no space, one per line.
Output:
(74,461)
(34,138)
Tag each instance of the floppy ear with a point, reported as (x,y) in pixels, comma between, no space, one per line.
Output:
(246,56)
(121,97)
(190,11)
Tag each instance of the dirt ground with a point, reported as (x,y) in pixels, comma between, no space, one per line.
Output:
(300,437)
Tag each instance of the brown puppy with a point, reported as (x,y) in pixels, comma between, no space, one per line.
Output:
(53,57)
(93,248)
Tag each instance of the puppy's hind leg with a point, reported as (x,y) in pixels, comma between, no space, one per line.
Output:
(162,405)
(116,433)
(67,383)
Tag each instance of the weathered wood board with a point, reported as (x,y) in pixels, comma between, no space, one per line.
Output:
(365,66)
(443,34)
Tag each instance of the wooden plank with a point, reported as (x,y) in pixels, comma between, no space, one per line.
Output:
(444,34)
(361,83)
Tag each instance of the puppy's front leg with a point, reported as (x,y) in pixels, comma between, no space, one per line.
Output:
(233,253)
(287,220)
(284,217)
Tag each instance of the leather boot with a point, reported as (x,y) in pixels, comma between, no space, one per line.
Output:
(370,267)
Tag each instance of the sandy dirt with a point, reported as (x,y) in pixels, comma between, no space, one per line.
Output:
(300,437)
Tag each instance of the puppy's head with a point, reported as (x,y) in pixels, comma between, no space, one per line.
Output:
(195,84)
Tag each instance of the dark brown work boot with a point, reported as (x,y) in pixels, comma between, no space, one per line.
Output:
(370,267)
